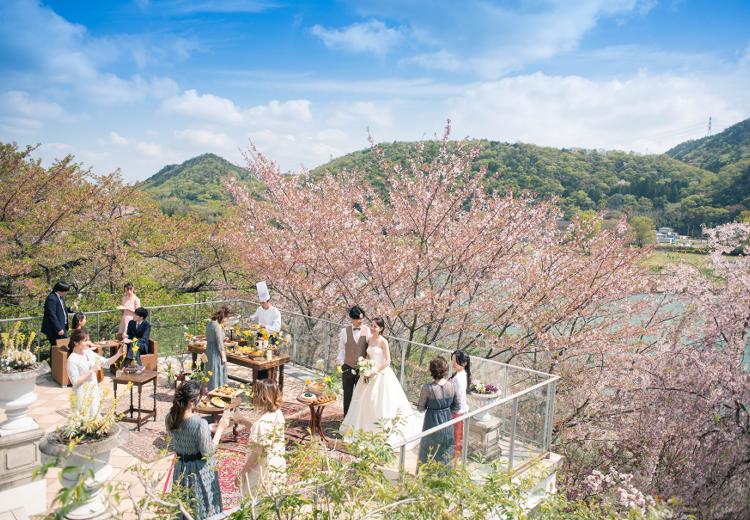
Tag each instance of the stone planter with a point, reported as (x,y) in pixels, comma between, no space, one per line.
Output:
(480,400)
(16,395)
(89,458)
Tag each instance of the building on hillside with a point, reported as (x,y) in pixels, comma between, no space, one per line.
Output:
(666,235)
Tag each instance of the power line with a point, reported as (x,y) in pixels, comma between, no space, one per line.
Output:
(708,133)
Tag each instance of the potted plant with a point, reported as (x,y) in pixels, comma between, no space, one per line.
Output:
(19,369)
(481,394)
(82,447)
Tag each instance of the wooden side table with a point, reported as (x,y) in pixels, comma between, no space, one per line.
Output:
(138,380)
(316,415)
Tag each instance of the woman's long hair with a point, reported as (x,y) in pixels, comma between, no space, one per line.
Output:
(188,392)
(77,336)
(77,319)
(463,359)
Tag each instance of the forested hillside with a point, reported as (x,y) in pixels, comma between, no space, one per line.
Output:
(727,154)
(700,182)
(195,185)
(672,192)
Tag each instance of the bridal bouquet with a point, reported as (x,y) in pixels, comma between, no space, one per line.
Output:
(366,368)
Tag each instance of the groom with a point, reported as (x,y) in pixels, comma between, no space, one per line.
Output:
(352,346)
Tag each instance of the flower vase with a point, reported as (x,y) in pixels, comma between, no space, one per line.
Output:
(481,400)
(92,459)
(16,395)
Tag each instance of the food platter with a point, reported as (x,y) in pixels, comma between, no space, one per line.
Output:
(218,402)
(226,392)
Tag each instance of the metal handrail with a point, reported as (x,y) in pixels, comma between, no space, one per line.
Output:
(472,413)
(550,379)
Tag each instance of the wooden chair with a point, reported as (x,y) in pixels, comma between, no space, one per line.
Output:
(151,360)
(59,362)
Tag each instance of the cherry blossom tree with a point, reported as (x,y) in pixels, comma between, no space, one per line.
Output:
(448,263)
(66,221)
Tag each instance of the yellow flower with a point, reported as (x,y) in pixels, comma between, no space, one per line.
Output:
(210,373)
(327,379)
(308,382)
(339,370)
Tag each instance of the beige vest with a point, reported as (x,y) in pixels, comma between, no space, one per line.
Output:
(353,350)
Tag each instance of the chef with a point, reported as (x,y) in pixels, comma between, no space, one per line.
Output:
(266,315)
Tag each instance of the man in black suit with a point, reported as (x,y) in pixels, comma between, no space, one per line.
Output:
(55,319)
(140,330)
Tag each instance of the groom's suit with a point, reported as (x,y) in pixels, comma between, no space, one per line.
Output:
(352,346)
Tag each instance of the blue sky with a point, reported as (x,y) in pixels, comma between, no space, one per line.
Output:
(139,84)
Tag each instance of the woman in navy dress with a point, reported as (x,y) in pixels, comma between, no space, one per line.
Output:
(195,468)
(438,401)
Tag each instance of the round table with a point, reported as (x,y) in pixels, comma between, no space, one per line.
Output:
(316,413)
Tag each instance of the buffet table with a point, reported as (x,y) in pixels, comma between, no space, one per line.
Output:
(274,366)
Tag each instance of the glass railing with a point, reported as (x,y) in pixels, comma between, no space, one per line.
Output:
(513,428)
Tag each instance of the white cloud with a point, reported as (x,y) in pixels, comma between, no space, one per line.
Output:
(372,36)
(222,110)
(642,113)
(22,103)
(492,39)
(149,149)
(64,55)
(204,106)
(117,139)
(206,138)
(146,148)
(294,110)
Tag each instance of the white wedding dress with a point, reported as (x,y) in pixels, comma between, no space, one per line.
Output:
(381,398)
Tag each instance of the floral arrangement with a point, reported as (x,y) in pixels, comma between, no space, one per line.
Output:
(328,384)
(82,426)
(482,388)
(17,351)
(366,368)
(200,372)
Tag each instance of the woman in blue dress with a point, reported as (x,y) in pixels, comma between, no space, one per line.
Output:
(195,467)
(438,401)
(217,355)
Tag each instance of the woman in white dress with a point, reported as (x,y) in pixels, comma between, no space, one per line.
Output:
(83,364)
(378,395)
(129,303)
(265,465)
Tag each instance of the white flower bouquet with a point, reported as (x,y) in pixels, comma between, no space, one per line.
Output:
(366,368)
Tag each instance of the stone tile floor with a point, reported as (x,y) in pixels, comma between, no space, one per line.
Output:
(51,399)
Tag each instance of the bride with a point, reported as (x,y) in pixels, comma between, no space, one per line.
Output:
(379,396)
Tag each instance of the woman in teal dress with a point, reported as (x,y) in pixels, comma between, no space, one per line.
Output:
(217,355)
(438,401)
(195,467)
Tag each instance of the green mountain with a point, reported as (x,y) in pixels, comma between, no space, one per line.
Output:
(727,154)
(653,185)
(717,151)
(195,185)
(700,182)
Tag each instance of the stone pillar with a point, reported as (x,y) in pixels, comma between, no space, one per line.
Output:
(19,457)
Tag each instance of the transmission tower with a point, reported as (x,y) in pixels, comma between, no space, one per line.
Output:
(708,132)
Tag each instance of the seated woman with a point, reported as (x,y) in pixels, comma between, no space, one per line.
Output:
(265,466)
(191,440)
(437,400)
(139,331)
(79,320)
(83,364)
